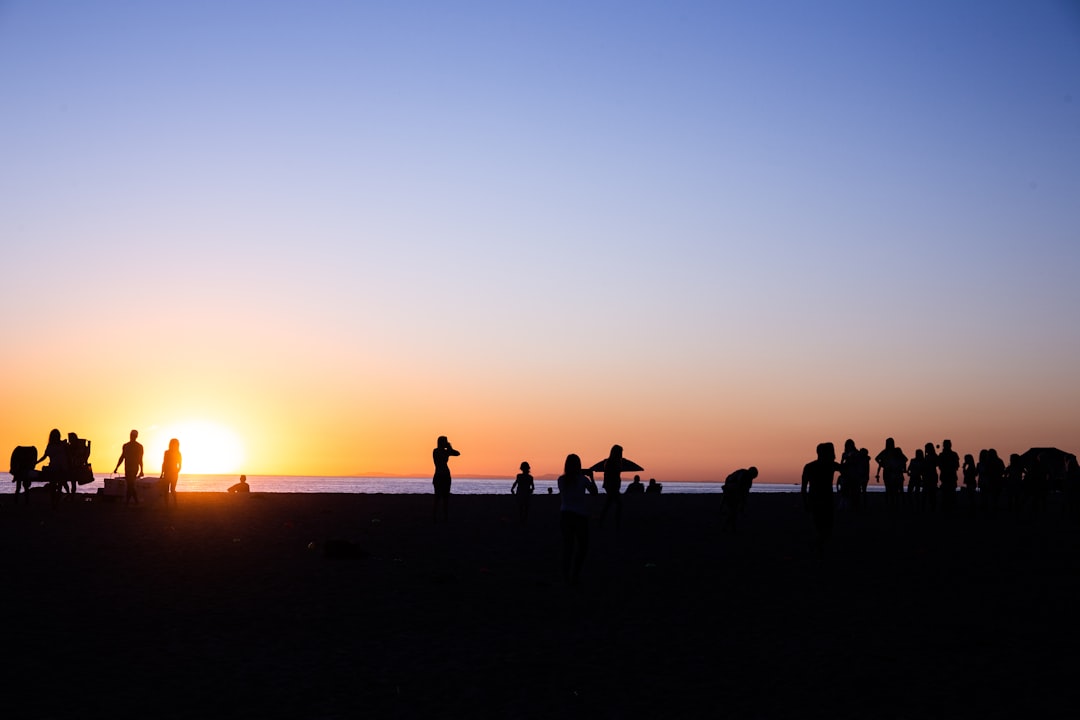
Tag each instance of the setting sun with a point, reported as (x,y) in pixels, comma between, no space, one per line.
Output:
(207,448)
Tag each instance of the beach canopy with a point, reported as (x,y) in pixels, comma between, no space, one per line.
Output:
(1053,463)
(627,466)
(1048,454)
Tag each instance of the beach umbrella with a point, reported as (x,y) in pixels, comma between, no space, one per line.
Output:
(627,466)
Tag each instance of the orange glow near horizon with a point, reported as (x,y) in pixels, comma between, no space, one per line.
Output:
(206,447)
(259,411)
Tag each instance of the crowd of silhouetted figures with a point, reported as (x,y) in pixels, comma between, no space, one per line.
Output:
(936,479)
(69,466)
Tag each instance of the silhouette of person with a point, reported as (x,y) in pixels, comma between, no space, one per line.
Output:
(574,483)
(131,455)
(441,480)
(991,479)
(58,470)
(948,463)
(613,485)
(79,461)
(170,470)
(817,491)
(863,475)
(930,477)
(848,482)
(635,487)
(523,486)
(971,480)
(653,488)
(891,463)
(240,487)
(1014,483)
(736,493)
(914,486)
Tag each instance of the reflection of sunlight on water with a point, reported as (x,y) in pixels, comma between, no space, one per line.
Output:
(388,486)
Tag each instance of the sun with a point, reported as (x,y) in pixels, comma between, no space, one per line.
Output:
(207,448)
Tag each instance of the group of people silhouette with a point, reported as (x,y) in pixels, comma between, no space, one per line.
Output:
(933,480)
(934,477)
(937,477)
(575,484)
(131,457)
(69,466)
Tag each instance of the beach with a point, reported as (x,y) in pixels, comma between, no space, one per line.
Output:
(338,605)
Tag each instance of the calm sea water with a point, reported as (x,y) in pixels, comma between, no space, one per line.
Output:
(390,486)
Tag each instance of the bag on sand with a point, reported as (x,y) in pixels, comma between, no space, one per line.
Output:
(84,475)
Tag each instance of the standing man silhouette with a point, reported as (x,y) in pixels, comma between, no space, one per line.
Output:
(948,466)
(613,485)
(817,491)
(131,456)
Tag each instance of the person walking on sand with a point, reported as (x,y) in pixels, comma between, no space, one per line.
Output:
(441,480)
(170,470)
(817,491)
(131,455)
(523,487)
(574,483)
(613,485)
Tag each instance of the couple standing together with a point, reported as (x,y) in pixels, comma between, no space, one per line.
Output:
(131,457)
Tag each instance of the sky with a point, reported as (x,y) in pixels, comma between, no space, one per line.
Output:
(309,238)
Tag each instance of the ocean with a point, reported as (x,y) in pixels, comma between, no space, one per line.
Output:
(385,485)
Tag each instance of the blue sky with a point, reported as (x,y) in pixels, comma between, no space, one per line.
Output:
(735,213)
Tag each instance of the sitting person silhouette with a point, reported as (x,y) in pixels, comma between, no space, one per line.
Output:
(636,487)
(240,487)
(653,488)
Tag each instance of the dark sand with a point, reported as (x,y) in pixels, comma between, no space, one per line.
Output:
(228,606)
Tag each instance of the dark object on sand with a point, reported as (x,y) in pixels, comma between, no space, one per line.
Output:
(23,460)
(338,549)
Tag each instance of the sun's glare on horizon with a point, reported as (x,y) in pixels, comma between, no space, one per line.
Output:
(207,448)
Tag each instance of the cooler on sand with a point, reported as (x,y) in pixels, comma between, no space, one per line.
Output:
(115,488)
(146,487)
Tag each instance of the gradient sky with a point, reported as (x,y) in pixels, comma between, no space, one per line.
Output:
(309,237)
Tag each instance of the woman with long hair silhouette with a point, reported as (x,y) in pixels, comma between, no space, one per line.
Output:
(574,483)
(441,480)
(170,470)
